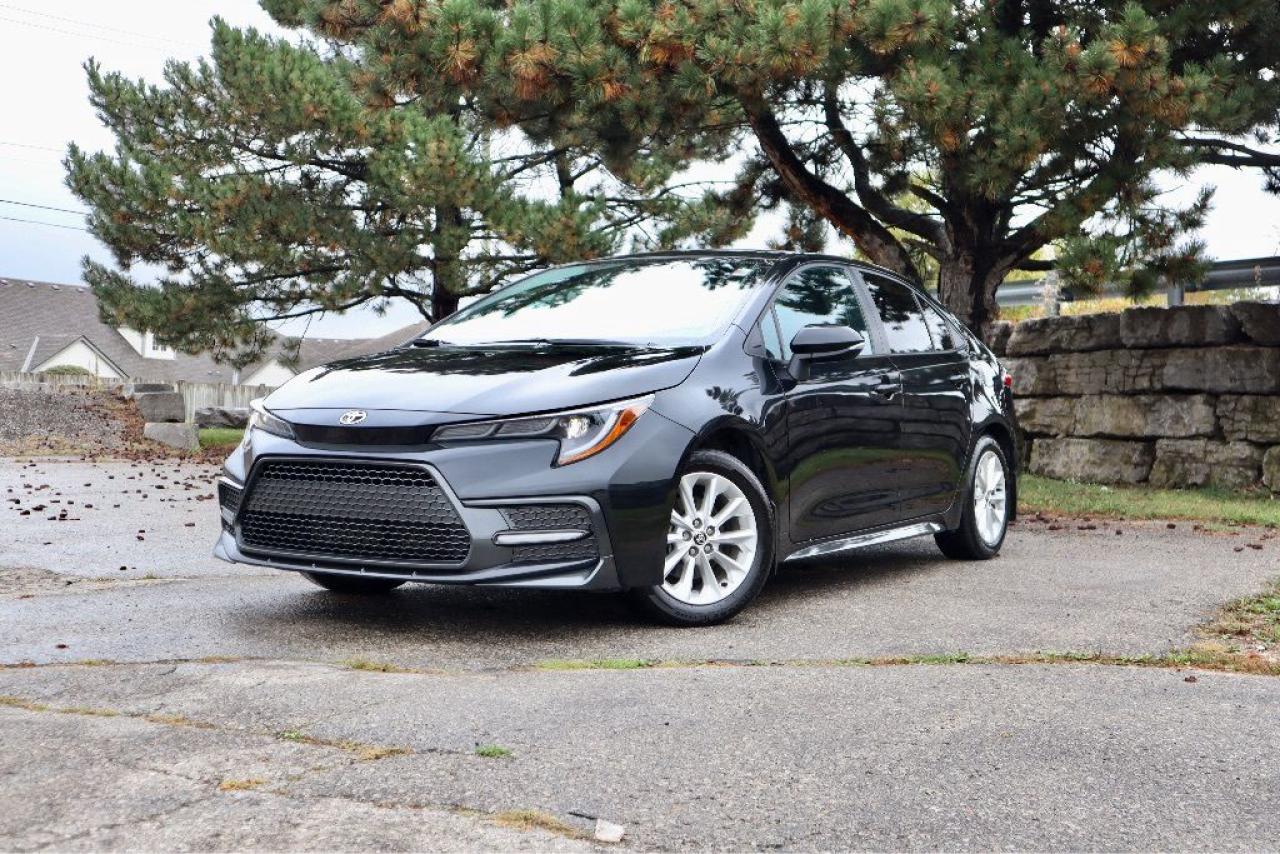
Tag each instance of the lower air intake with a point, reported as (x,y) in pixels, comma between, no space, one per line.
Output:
(352,512)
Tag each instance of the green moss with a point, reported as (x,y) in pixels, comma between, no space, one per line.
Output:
(492,751)
(220,437)
(1139,502)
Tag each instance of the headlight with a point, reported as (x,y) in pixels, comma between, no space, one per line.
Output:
(582,432)
(262,419)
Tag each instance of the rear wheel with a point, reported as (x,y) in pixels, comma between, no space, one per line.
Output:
(986,511)
(351,583)
(719,545)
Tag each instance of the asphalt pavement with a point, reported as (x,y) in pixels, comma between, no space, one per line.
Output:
(181,702)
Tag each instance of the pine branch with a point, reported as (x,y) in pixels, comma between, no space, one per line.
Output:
(919,224)
(876,241)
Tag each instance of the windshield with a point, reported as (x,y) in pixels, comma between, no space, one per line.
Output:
(659,302)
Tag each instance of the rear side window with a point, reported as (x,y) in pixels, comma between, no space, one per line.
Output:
(904,322)
(822,295)
(944,334)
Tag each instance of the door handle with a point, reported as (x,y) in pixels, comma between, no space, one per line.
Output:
(889,385)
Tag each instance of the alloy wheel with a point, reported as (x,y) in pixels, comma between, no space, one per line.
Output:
(989,508)
(712,540)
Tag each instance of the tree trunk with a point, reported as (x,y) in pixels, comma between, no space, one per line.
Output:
(449,237)
(968,289)
(443,302)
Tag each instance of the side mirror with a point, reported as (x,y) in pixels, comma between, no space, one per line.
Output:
(821,341)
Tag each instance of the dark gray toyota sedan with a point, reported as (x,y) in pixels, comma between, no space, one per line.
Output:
(670,425)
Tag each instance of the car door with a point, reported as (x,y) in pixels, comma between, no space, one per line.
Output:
(843,416)
(930,356)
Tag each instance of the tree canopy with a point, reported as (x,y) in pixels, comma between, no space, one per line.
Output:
(973,134)
(275,180)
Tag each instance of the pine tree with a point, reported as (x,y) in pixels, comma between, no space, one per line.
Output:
(1013,124)
(278,179)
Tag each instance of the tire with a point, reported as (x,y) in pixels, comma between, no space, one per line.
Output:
(979,538)
(352,583)
(739,562)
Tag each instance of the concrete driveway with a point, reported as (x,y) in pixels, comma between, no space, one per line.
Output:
(184,703)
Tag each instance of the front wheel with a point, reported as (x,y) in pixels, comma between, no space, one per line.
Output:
(986,511)
(719,545)
(351,583)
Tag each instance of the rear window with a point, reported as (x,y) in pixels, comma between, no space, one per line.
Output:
(904,322)
(944,334)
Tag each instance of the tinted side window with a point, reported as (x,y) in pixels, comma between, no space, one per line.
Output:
(904,323)
(818,295)
(944,334)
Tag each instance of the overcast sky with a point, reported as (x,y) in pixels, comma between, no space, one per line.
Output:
(44,105)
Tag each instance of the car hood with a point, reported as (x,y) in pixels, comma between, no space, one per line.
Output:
(485,381)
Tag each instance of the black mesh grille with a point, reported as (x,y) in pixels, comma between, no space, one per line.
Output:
(228,496)
(554,552)
(551,517)
(362,435)
(352,511)
(547,517)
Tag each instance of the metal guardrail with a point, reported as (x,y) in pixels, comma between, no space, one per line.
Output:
(1222,275)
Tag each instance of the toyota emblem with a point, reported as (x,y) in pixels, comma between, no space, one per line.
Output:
(353,416)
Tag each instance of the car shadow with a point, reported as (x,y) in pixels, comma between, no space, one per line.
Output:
(503,616)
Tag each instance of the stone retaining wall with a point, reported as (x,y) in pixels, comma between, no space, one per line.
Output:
(1186,396)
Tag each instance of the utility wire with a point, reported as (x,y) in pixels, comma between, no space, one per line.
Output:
(42,207)
(93,26)
(29,145)
(154,47)
(38,222)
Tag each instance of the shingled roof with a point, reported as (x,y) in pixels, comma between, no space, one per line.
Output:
(40,319)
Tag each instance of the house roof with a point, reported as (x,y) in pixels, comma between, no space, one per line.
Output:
(39,319)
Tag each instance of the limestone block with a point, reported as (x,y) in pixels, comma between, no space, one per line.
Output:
(1065,334)
(161,406)
(1097,460)
(1260,321)
(183,436)
(1180,326)
(1250,416)
(1206,462)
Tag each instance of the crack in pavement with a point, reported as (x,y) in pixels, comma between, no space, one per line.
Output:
(1189,658)
(282,788)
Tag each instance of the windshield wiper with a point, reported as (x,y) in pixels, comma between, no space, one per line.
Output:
(585,342)
(521,342)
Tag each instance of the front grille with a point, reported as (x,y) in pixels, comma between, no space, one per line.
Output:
(352,511)
(228,497)
(552,517)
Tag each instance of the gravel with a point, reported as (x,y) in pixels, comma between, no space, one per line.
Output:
(60,420)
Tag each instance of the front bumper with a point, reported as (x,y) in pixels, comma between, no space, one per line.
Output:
(623,491)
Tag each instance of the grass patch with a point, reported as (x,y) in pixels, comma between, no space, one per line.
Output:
(1206,656)
(366,752)
(598,664)
(536,820)
(1042,494)
(177,720)
(492,751)
(375,666)
(32,706)
(1249,626)
(220,437)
